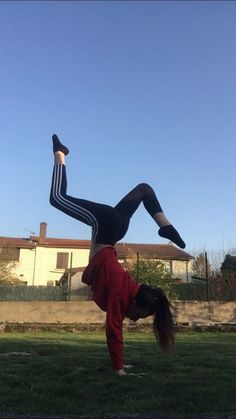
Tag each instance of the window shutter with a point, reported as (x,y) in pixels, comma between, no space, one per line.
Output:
(62,260)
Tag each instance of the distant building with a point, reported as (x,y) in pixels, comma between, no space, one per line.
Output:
(42,260)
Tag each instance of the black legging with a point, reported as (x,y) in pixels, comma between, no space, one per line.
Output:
(109,224)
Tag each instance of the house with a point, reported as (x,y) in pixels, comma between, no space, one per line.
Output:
(42,260)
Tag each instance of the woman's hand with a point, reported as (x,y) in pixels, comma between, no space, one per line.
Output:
(122,372)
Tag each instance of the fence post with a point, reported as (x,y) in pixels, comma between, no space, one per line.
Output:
(137,266)
(69,277)
(207,276)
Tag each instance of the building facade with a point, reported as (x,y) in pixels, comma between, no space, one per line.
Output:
(43,261)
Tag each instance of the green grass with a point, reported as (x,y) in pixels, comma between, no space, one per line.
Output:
(66,373)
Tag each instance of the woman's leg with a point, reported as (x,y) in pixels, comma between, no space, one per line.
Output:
(104,220)
(145,194)
(81,210)
(141,193)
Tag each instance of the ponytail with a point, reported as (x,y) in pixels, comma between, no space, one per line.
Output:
(163,322)
(155,301)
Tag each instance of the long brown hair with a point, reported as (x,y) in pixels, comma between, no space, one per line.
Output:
(154,300)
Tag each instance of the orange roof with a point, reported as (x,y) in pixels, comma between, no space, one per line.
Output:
(54,242)
(161,251)
(17,242)
(158,251)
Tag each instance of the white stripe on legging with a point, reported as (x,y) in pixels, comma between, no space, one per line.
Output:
(67,204)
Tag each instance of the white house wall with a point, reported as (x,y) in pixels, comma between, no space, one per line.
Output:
(182,270)
(38,266)
(25,267)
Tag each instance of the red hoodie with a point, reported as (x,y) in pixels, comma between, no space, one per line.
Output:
(113,291)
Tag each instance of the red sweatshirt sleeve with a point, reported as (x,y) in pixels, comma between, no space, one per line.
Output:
(114,320)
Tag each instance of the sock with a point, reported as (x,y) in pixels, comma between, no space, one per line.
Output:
(169,232)
(58,146)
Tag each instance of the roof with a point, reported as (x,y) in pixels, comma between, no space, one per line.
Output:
(17,242)
(158,251)
(55,242)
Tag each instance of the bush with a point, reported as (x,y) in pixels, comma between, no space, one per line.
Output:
(153,272)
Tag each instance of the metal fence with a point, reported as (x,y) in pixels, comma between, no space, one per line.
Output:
(207,276)
(214,273)
(33,293)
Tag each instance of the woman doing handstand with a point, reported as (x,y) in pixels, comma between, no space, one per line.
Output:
(114,291)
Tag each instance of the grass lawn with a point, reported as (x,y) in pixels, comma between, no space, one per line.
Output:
(66,373)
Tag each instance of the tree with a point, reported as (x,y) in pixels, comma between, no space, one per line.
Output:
(7,266)
(229,265)
(201,266)
(151,272)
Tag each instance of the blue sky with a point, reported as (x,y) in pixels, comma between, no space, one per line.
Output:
(140,92)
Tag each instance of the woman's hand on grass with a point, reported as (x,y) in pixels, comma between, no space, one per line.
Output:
(122,373)
(128,366)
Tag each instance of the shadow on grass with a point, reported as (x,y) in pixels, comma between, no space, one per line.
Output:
(66,373)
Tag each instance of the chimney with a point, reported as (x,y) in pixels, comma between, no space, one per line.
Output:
(42,232)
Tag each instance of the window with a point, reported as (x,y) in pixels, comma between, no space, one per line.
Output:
(62,260)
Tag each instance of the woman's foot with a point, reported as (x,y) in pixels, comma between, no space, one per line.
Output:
(58,146)
(169,232)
